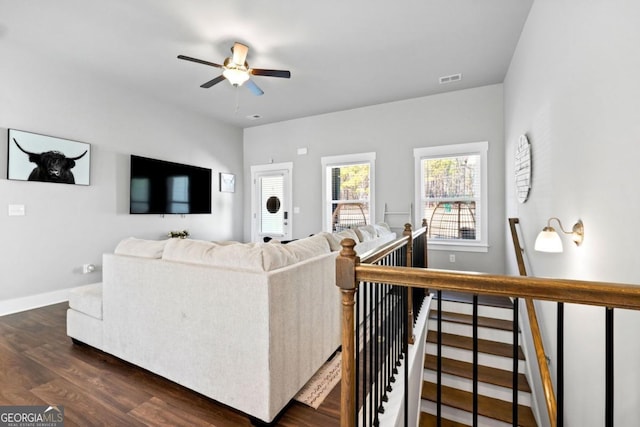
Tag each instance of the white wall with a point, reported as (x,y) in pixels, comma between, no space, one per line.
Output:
(573,88)
(391,130)
(66,226)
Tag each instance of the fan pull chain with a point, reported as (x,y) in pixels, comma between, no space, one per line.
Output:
(237,100)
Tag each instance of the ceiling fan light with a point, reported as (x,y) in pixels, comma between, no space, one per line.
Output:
(235,76)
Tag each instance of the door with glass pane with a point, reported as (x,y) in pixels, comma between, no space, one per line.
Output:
(271,205)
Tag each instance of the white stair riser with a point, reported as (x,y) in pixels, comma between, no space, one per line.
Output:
(460,416)
(484,333)
(483,310)
(484,389)
(483,358)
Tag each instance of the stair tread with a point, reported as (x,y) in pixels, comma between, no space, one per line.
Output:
(428,420)
(484,346)
(489,300)
(467,319)
(486,374)
(487,406)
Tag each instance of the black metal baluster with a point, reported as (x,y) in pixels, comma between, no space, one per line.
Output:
(371,352)
(405,350)
(400,346)
(516,355)
(384,336)
(439,363)
(365,300)
(609,368)
(475,360)
(383,343)
(560,367)
(374,375)
(389,342)
(398,327)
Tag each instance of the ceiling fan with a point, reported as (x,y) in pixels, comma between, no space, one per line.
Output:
(236,70)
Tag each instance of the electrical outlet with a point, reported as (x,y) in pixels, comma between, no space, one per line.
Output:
(452,258)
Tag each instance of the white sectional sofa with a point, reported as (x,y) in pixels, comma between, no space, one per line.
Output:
(244,324)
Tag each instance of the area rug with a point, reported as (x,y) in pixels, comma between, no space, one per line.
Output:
(321,383)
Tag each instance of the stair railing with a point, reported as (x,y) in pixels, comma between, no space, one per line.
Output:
(380,317)
(543,366)
(350,272)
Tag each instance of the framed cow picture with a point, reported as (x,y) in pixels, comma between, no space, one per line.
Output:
(35,157)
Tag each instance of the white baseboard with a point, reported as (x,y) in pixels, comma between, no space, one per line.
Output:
(17,305)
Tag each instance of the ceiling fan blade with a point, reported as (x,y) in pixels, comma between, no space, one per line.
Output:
(254,88)
(199,61)
(239,53)
(271,73)
(210,83)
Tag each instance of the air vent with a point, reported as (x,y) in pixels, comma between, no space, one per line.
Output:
(450,79)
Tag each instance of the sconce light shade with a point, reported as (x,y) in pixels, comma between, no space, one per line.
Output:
(549,241)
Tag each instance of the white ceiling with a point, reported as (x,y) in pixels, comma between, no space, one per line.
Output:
(342,54)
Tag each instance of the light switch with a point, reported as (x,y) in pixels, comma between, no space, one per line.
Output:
(16,210)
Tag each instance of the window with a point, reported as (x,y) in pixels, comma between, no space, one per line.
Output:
(178,194)
(140,194)
(348,191)
(451,185)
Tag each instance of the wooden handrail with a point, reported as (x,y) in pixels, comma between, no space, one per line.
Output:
(543,366)
(602,294)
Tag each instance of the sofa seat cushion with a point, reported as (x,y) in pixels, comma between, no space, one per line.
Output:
(87,299)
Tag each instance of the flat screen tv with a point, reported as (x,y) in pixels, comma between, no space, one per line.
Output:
(161,187)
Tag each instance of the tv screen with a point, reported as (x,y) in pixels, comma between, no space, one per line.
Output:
(160,187)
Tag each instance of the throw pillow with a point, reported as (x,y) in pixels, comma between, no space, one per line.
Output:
(141,248)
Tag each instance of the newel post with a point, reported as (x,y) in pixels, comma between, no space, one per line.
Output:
(346,264)
(408,232)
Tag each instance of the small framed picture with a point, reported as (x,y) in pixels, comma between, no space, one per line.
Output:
(227,182)
(35,157)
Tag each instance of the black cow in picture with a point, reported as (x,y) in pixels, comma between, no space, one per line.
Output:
(51,166)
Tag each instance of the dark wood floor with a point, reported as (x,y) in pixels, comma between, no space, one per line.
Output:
(39,365)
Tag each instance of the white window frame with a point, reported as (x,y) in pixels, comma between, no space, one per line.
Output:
(346,159)
(477,148)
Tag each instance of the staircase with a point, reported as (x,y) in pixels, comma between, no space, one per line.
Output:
(495,333)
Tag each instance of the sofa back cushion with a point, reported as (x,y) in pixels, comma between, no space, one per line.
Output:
(245,256)
(366,233)
(141,248)
(334,239)
(257,257)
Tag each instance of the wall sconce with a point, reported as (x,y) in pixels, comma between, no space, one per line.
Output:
(549,241)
